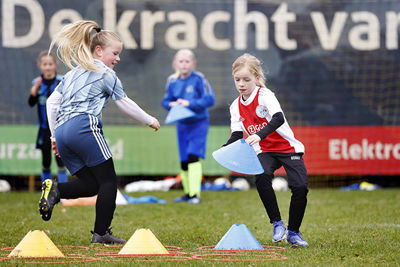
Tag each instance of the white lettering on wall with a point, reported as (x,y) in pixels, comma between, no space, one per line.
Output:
(369,28)
(207,30)
(392,25)
(63,15)
(329,38)
(121,26)
(242,19)
(281,18)
(8,23)
(148,21)
(187,28)
(340,149)
(19,151)
(362,31)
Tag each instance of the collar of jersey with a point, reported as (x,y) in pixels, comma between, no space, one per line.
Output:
(102,65)
(251,98)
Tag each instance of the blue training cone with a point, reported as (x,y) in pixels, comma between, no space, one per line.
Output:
(239,157)
(177,113)
(238,237)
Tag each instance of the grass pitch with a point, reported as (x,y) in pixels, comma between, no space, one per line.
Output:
(355,228)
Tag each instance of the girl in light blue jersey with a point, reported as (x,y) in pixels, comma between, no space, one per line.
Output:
(74,115)
(190,89)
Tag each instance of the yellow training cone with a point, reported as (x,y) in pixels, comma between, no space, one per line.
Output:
(36,244)
(143,241)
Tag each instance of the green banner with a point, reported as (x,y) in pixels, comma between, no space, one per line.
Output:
(137,150)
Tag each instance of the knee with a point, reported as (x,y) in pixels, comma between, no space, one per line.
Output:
(301,191)
(93,191)
(111,183)
(193,158)
(93,188)
(184,165)
(264,179)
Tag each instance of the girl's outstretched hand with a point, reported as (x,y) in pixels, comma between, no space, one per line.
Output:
(253,139)
(155,125)
(36,86)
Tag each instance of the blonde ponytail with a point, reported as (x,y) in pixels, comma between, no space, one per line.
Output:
(73,43)
(76,43)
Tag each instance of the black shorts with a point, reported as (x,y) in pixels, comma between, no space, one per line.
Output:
(293,164)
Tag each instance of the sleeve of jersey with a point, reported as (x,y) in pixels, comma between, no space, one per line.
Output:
(168,98)
(207,98)
(32,100)
(130,108)
(235,117)
(268,99)
(60,86)
(113,86)
(276,122)
(52,106)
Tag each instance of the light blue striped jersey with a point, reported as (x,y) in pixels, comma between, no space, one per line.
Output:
(87,92)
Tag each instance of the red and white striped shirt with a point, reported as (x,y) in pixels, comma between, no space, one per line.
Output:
(252,115)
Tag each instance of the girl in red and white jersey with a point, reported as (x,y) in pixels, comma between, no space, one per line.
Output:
(258,113)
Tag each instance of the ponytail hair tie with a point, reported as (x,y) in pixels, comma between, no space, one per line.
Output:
(98,29)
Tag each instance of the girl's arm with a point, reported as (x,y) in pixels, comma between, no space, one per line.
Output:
(130,108)
(236,127)
(33,97)
(52,106)
(207,98)
(234,137)
(168,98)
(276,121)
(267,98)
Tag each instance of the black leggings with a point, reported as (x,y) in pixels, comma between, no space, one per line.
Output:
(297,180)
(46,157)
(100,180)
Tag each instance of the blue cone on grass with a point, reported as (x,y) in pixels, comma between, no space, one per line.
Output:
(239,157)
(177,113)
(238,237)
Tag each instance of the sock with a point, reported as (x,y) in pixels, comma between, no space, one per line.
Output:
(195,176)
(46,174)
(62,176)
(185,181)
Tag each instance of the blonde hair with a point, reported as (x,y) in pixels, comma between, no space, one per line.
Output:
(254,65)
(181,51)
(76,44)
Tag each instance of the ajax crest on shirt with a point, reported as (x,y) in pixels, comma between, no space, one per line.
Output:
(261,111)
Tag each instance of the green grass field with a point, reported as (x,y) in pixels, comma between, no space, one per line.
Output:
(355,228)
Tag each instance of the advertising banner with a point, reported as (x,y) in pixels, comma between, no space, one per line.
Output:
(140,151)
(348,150)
